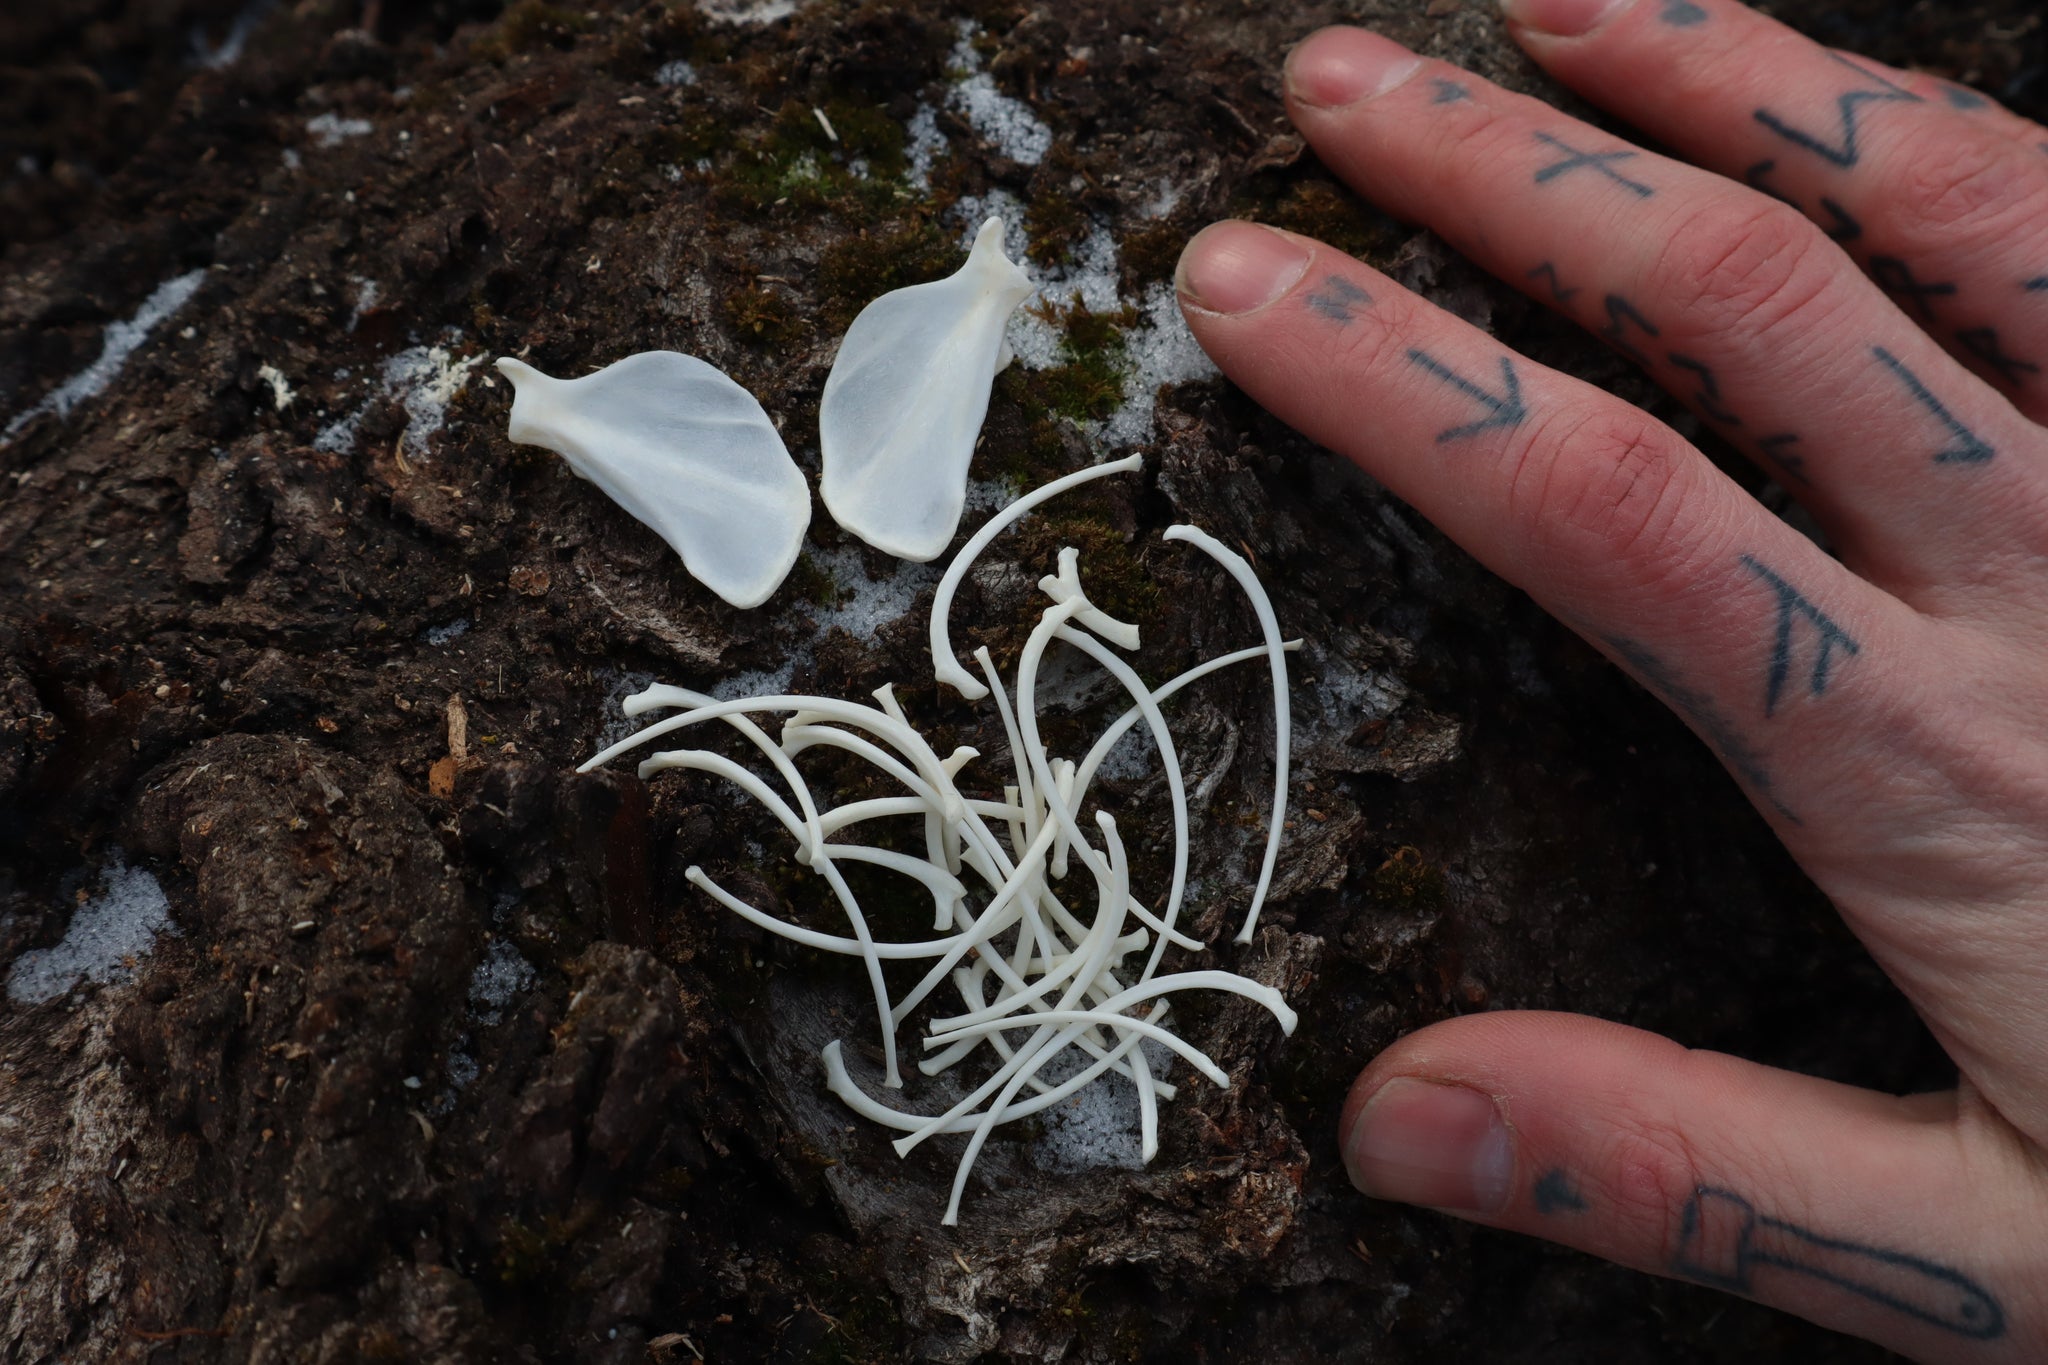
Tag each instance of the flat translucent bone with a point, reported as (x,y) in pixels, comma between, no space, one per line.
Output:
(904,403)
(1276,654)
(945,667)
(686,450)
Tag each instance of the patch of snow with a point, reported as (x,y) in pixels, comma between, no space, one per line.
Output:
(1163,202)
(927,144)
(292,159)
(755,12)
(442,634)
(623,684)
(1161,350)
(106,934)
(1006,122)
(425,379)
(501,975)
(1095,1128)
(676,73)
(331,130)
(231,46)
(368,295)
(120,342)
(865,606)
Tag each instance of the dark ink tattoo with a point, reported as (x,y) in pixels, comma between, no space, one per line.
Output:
(1963,97)
(1773,449)
(1505,408)
(1708,398)
(1719,732)
(1447,92)
(1894,276)
(1336,298)
(1555,1193)
(1682,13)
(1724,1241)
(1982,342)
(1968,447)
(1793,606)
(1620,312)
(1558,293)
(1574,158)
(1843,151)
(2036,285)
(1842,228)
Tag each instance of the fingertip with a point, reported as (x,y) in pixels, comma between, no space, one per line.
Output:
(1342,65)
(1441,1146)
(1239,267)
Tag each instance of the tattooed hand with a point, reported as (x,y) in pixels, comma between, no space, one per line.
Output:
(1854,291)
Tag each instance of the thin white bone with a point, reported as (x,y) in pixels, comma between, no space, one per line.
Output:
(905,400)
(945,667)
(687,451)
(1234,564)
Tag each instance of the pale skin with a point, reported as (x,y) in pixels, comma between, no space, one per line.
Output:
(1847,277)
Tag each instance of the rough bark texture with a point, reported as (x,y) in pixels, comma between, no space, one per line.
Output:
(442,1059)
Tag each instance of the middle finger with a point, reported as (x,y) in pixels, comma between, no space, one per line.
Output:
(1923,475)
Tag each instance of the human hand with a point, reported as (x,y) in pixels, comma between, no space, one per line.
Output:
(1884,711)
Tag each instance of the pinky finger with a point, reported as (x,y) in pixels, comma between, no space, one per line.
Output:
(1910,1222)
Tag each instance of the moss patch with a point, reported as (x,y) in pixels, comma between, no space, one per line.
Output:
(528,25)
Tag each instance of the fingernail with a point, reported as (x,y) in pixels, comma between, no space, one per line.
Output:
(1560,18)
(1441,1146)
(1340,66)
(1235,267)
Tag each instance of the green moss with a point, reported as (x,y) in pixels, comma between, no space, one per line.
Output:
(1053,223)
(857,269)
(811,583)
(696,134)
(1152,252)
(1408,879)
(794,162)
(530,24)
(763,315)
(1325,211)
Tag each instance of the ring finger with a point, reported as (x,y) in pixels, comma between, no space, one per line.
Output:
(1924,475)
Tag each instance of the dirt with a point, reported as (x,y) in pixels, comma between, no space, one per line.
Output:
(440,1057)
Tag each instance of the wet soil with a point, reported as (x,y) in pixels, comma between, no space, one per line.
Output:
(442,1058)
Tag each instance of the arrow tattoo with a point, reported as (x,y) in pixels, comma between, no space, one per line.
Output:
(1505,409)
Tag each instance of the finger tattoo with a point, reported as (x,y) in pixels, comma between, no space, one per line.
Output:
(1793,607)
(1844,151)
(1336,298)
(1967,447)
(1505,409)
(1598,161)
(1724,1240)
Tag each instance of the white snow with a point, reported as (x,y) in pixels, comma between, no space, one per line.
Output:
(927,144)
(237,39)
(865,606)
(1004,120)
(1095,1128)
(676,73)
(1159,348)
(106,934)
(502,974)
(425,380)
(756,12)
(120,342)
(331,130)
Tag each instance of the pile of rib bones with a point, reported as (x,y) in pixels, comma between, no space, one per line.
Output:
(1035,975)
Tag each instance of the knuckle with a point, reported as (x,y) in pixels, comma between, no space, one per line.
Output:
(1748,265)
(1602,488)
(1938,185)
